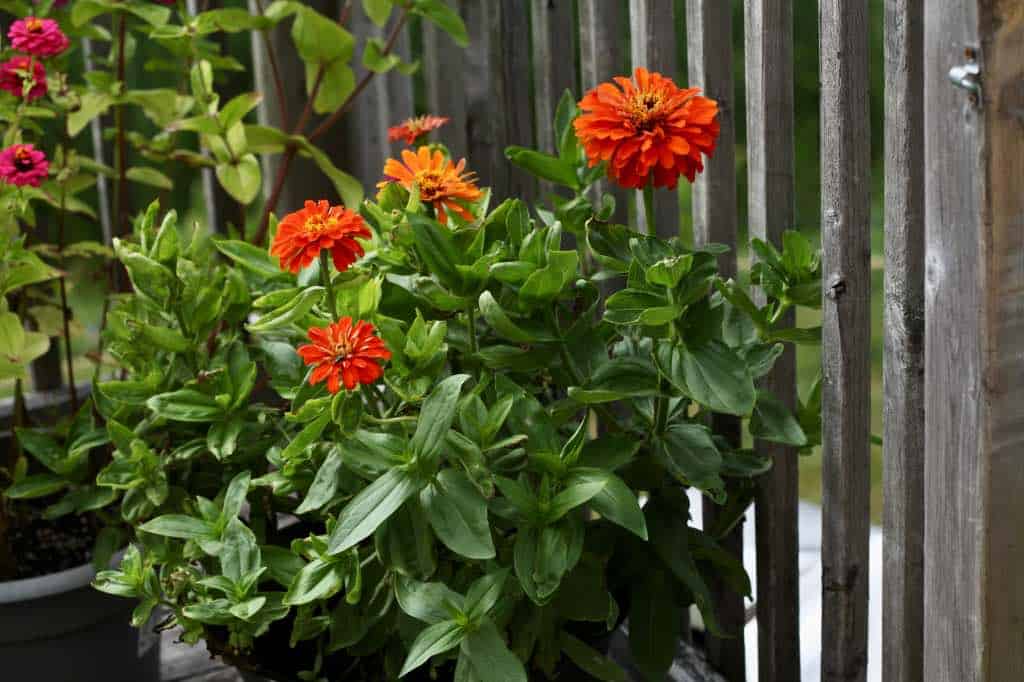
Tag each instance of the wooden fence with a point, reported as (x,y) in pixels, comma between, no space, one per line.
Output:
(954,278)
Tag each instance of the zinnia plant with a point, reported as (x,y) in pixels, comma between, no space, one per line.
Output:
(415,439)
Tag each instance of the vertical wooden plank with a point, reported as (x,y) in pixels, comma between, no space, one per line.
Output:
(652,44)
(709,44)
(903,460)
(846,337)
(386,102)
(768,28)
(552,26)
(601,58)
(497,86)
(974,336)
(444,69)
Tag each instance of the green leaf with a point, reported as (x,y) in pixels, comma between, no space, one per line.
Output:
(241,178)
(374,58)
(484,593)
(614,501)
(458,514)
(489,657)
(436,416)
(635,306)
(445,18)
(590,661)
(240,554)
(437,249)
(290,312)
(306,437)
(619,378)
(428,602)
(687,452)
(91,104)
(378,10)
(185,405)
(543,166)
(282,564)
(318,580)
(337,81)
(716,377)
(149,176)
(37,485)
(250,257)
(45,449)
(178,526)
(237,109)
(774,422)
(230,20)
(370,508)
(324,485)
(653,625)
(432,640)
(500,321)
(320,40)
(235,495)
(547,283)
(148,276)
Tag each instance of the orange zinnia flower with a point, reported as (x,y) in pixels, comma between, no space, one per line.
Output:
(344,352)
(650,129)
(302,235)
(443,185)
(411,129)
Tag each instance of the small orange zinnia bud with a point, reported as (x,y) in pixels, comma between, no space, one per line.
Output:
(648,129)
(343,352)
(412,129)
(303,234)
(443,185)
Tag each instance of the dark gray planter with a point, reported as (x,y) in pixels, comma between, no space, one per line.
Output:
(57,628)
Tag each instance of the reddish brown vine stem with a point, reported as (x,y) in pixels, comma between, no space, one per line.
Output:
(291,150)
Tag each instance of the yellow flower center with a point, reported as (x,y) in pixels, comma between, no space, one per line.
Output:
(342,349)
(431,183)
(644,110)
(22,159)
(317,224)
(34,25)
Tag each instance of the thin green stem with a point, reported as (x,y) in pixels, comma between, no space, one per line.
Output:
(65,311)
(648,200)
(325,278)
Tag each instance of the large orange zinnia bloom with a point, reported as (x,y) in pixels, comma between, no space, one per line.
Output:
(344,352)
(412,129)
(303,234)
(648,129)
(443,185)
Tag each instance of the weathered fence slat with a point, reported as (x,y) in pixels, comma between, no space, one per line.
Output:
(709,43)
(903,460)
(974,333)
(443,67)
(768,27)
(846,337)
(552,25)
(652,31)
(601,58)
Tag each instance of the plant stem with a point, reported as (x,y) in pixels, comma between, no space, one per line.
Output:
(325,277)
(471,323)
(64,309)
(648,200)
(289,153)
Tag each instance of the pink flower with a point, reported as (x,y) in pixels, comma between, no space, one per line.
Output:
(15,71)
(39,37)
(23,164)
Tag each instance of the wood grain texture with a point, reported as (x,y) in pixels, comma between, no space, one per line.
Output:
(652,31)
(497,87)
(903,458)
(846,337)
(552,25)
(387,101)
(601,58)
(768,27)
(443,66)
(709,45)
(974,333)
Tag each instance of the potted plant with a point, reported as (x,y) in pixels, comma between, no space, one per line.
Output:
(414,439)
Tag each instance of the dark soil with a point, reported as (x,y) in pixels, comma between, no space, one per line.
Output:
(44,546)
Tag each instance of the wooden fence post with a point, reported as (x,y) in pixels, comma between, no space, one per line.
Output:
(846,338)
(709,41)
(768,27)
(553,28)
(974,341)
(444,75)
(601,58)
(652,31)
(903,439)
